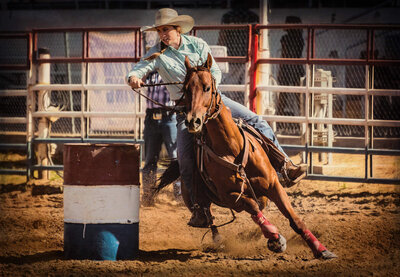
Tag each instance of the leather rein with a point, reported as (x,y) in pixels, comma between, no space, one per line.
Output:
(175,108)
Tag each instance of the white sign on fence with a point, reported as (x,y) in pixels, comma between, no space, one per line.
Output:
(111,45)
(220,51)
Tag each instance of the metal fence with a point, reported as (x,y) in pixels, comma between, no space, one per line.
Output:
(313,83)
(340,50)
(232,43)
(85,96)
(14,63)
(325,84)
(14,67)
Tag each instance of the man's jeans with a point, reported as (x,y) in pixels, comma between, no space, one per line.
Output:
(155,133)
(186,155)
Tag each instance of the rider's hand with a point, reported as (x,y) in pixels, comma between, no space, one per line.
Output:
(135,82)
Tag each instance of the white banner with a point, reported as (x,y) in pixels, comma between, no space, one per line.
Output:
(106,45)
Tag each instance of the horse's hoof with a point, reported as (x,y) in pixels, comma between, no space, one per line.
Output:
(327,255)
(199,219)
(217,239)
(277,245)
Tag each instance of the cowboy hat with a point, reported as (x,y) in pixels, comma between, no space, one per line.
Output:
(168,16)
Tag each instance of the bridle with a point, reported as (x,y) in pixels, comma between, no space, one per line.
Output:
(215,106)
(215,96)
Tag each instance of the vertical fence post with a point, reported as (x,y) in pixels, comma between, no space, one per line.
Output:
(253,68)
(329,126)
(83,101)
(265,102)
(43,104)
(30,106)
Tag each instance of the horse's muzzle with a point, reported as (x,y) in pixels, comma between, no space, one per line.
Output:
(194,124)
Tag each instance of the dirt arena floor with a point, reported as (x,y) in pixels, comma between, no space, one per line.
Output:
(358,222)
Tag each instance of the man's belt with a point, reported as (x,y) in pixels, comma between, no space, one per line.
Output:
(158,113)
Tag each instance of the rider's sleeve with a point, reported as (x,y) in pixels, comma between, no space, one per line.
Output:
(204,49)
(143,67)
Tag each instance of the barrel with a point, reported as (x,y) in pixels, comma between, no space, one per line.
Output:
(101,201)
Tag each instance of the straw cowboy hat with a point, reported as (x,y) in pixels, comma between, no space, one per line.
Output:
(168,16)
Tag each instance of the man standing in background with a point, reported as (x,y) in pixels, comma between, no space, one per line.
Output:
(159,128)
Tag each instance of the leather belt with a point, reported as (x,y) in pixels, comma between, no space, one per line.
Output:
(158,113)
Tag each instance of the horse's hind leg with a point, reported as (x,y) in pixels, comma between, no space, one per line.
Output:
(279,196)
(276,242)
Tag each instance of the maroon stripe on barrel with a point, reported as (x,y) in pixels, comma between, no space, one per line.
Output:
(87,164)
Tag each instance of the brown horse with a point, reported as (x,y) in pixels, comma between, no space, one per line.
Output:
(233,163)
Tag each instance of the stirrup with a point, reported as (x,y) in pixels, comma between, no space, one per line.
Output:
(284,177)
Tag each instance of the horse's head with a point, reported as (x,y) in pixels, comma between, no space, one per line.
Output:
(199,89)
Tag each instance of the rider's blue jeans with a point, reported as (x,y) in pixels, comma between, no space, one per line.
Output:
(186,155)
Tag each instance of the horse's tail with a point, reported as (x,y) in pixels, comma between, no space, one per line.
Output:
(170,175)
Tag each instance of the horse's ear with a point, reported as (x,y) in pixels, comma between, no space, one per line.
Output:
(208,63)
(187,63)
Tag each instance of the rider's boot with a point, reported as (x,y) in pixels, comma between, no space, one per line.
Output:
(199,217)
(290,173)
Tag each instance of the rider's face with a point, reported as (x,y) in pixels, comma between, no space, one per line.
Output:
(169,35)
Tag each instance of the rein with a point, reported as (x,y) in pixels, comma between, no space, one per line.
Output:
(214,227)
(173,109)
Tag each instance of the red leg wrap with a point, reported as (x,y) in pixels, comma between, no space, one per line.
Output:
(269,230)
(313,243)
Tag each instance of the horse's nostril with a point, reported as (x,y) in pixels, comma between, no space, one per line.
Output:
(197,122)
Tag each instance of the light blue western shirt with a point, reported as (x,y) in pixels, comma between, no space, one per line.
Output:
(171,64)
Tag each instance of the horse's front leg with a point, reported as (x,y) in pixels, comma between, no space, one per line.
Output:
(203,203)
(279,196)
(276,242)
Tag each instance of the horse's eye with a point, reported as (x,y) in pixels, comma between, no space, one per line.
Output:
(206,88)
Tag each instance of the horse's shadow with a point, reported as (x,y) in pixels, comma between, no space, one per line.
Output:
(33,258)
(181,255)
(143,256)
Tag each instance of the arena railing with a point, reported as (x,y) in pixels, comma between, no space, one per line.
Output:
(235,39)
(251,61)
(76,117)
(82,53)
(15,60)
(317,36)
